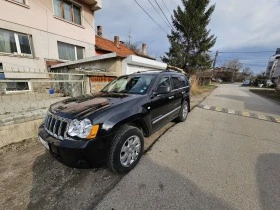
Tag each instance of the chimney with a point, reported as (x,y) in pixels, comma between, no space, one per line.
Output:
(99,31)
(144,49)
(117,41)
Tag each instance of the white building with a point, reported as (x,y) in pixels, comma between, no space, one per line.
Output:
(36,34)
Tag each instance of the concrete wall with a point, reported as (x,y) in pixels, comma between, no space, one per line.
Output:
(38,20)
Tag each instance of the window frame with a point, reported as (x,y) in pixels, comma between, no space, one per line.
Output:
(75,51)
(173,85)
(25,4)
(15,33)
(73,3)
(159,81)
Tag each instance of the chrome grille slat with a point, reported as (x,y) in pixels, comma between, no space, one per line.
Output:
(56,126)
(59,130)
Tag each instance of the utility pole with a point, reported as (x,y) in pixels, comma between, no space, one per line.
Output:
(215,59)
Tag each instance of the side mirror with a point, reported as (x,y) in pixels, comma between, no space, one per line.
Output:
(163,90)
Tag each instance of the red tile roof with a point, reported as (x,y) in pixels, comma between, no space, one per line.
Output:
(109,46)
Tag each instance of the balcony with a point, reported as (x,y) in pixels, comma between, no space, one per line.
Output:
(95,4)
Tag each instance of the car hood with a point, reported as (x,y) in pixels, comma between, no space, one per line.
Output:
(88,104)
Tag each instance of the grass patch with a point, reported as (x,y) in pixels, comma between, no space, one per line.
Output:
(267,93)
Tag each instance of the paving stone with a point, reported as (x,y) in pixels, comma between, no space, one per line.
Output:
(19,120)
(6,99)
(8,123)
(7,119)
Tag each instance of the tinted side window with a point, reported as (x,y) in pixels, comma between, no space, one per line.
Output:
(184,81)
(165,81)
(176,83)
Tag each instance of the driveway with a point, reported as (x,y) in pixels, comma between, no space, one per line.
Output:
(214,160)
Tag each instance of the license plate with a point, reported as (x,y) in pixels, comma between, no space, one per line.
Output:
(45,144)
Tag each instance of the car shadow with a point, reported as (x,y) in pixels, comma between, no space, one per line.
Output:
(268,172)
(56,186)
(152,186)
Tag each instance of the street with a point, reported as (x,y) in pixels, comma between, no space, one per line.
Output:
(214,160)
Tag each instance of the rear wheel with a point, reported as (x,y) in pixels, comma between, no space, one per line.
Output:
(183,112)
(126,149)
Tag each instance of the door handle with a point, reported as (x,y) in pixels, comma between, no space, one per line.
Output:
(171,97)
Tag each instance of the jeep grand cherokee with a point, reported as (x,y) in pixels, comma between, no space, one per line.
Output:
(110,126)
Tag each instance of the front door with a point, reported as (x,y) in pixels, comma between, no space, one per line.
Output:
(161,105)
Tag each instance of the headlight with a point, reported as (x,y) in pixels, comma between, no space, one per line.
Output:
(82,129)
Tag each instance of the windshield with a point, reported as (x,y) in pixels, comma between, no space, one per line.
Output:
(134,84)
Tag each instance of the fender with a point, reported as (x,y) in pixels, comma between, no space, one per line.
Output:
(111,125)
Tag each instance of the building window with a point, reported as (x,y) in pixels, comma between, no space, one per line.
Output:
(69,51)
(20,1)
(68,11)
(17,86)
(13,42)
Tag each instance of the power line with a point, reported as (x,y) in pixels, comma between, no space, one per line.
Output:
(158,13)
(166,7)
(250,52)
(150,16)
(163,14)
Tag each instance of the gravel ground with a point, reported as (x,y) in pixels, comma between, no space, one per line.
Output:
(30,178)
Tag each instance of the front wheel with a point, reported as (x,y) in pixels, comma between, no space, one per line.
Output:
(126,149)
(183,112)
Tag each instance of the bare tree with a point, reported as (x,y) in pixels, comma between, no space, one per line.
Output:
(233,64)
(247,71)
(134,46)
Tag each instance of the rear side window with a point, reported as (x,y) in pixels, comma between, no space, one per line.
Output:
(184,81)
(176,83)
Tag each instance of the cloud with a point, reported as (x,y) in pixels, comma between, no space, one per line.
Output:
(239,25)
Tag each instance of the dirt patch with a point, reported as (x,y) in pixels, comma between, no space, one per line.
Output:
(198,90)
(268,93)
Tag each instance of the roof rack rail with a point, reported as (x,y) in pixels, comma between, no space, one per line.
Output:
(162,70)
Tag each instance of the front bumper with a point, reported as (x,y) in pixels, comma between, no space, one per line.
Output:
(78,154)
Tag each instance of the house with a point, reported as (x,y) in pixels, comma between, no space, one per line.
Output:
(273,67)
(36,34)
(113,59)
(104,46)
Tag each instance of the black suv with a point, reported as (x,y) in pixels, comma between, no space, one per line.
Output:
(110,125)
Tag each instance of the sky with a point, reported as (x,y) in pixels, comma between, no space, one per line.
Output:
(247,26)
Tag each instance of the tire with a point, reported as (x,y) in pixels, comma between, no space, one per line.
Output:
(127,144)
(183,112)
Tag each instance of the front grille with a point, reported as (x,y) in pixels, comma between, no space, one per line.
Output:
(56,126)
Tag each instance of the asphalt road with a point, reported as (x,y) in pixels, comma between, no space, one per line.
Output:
(213,160)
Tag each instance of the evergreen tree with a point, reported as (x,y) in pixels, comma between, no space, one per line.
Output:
(190,39)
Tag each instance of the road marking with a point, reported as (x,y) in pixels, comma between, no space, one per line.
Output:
(218,109)
(261,117)
(206,107)
(231,111)
(246,114)
(240,113)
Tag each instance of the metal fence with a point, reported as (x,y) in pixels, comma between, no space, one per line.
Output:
(20,95)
